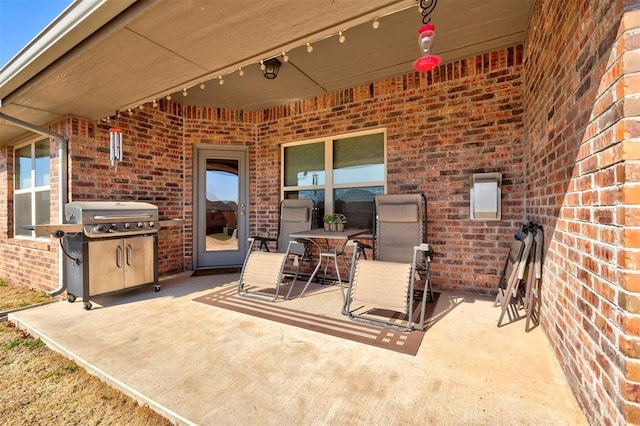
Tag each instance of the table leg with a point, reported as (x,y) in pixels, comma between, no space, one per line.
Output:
(315,272)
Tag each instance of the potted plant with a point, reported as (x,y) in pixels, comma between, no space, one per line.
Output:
(338,221)
(327,222)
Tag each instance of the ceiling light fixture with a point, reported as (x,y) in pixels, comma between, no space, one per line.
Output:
(240,72)
(220,80)
(375,24)
(426,32)
(202,86)
(155,103)
(285,58)
(309,48)
(184,92)
(271,68)
(341,37)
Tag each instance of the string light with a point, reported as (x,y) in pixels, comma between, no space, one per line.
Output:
(375,24)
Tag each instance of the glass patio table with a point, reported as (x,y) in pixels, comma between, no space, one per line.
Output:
(329,249)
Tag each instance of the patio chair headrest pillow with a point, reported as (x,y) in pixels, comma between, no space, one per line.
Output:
(399,213)
(295,214)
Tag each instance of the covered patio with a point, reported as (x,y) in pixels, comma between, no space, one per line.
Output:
(197,364)
(542,93)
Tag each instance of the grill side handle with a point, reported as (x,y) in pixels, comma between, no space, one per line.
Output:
(130,217)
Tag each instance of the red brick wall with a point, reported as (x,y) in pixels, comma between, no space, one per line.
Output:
(581,172)
(27,262)
(212,126)
(464,118)
(152,169)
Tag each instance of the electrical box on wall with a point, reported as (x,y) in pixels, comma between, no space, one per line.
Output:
(485,197)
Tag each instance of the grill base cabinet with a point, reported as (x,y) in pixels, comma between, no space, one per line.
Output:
(106,265)
(109,246)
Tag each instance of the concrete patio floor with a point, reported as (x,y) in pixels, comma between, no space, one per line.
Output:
(197,364)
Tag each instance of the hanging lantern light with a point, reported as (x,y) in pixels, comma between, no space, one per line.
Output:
(426,32)
(115,145)
(271,68)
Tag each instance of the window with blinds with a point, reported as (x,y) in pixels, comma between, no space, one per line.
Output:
(31,195)
(341,174)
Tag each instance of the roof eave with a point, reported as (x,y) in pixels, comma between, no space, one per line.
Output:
(72,26)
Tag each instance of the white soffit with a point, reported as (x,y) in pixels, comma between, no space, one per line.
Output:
(157,47)
(77,22)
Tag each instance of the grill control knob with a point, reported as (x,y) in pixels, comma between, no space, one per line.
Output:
(126,225)
(151,224)
(114,226)
(139,225)
(98,228)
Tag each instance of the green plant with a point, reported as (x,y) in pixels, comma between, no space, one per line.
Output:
(334,219)
(339,218)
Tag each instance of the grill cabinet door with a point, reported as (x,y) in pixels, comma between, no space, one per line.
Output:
(106,260)
(139,260)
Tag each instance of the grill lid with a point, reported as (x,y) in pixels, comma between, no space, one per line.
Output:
(104,218)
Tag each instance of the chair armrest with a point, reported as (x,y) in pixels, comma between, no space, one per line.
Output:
(361,245)
(263,242)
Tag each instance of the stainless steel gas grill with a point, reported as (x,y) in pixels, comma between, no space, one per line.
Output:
(109,246)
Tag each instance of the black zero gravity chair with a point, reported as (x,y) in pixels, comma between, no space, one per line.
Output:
(264,269)
(382,288)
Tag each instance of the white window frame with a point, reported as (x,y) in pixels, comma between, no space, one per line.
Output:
(33,190)
(329,186)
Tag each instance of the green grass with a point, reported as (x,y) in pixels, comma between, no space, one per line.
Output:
(24,342)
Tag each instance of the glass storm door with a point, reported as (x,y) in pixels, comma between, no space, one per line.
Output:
(221,220)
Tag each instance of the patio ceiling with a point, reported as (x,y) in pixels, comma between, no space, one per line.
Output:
(120,58)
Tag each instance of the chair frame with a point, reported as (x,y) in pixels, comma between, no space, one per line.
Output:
(351,312)
(295,251)
(282,258)
(422,257)
(422,266)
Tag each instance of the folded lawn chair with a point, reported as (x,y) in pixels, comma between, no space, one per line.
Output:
(264,270)
(386,285)
(519,285)
(510,269)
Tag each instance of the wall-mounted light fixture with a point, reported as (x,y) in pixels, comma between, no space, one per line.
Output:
(271,68)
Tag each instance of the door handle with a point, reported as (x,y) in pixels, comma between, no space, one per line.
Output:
(119,256)
(129,255)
